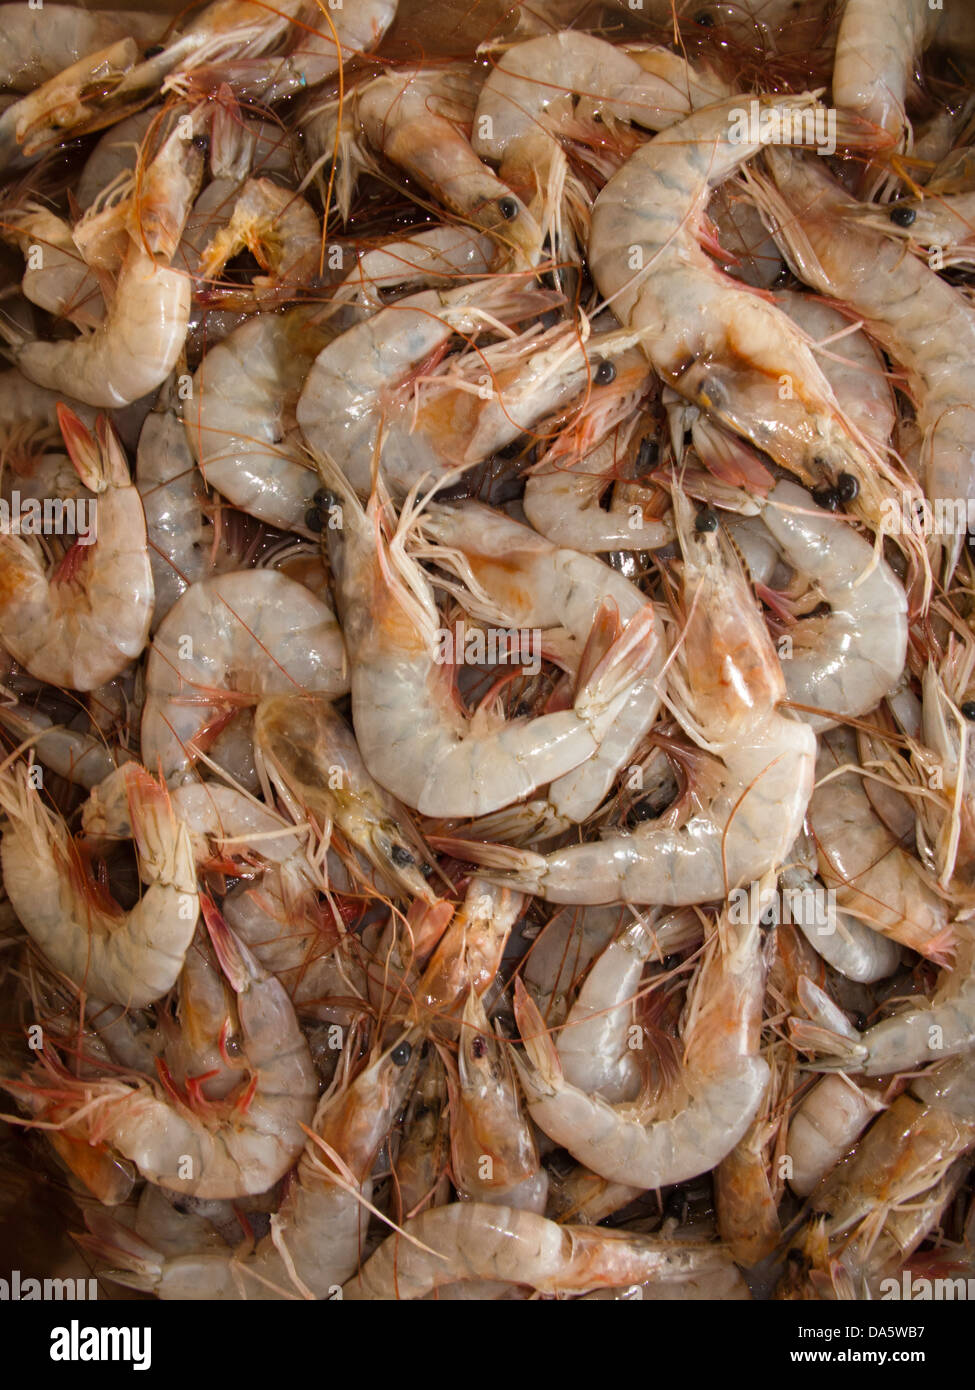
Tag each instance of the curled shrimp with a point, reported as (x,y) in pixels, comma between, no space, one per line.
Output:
(131,352)
(414,738)
(437,257)
(226,642)
(282,233)
(824,1127)
(241,422)
(83,624)
(730,683)
(317,1233)
(130,957)
(723,1078)
(719,344)
(877,50)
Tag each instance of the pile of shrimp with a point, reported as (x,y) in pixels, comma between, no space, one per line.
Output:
(486,647)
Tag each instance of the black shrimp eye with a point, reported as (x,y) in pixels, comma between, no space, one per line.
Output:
(827,498)
(671,962)
(704,19)
(859,1020)
(426,869)
(706,520)
(847,487)
(642,810)
(509,209)
(479,1046)
(604,374)
(647,455)
(902,215)
(401,1054)
(154,50)
(401,857)
(202,143)
(313,519)
(323,498)
(968,709)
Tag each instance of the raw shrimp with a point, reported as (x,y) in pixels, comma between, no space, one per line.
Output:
(825,1126)
(317,1234)
(236,1146)
(472,1240)
(181,542)
(28,422)
(494,1158)
(402,116)
(82,625)
(905,1156)
(849,946)
(843,664)
(421,1164)
(84,759)
(717,343)
(132,351)
(728,690)
(874,878)
(925,324)
(223,645)
(37,44)
(566,505)
(114,156)
(437,256)
(468,956)
(241,420)
(128,958)
(942,225)
(310,751)
(61,283)
(536,585)
(593,1046)
(878,48)
(361,387)
(414,738)
(950,824)
(282,233)
(723,1079)
(747,1188)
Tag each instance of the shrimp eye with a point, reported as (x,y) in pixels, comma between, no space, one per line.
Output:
(479,1046)
(604,374)
(401,857)
(402,1054)
(671,962)
(706,520)
(509,209)
(154,50)
(313,519)
(324,498)
(202,143)
(968,709)
(902,216)
(704,19)
(859,1020)
(426,869)
(647,455)
(642,810)
(847,487)
(827,498)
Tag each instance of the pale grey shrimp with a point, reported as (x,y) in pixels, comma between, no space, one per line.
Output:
(225,643)
(56,278)
(723,1078)
(414,738)
(472,1240)
(925,324)
(762,788)
(39,42)
(717,343)
(878,47)
(940,225)
(824,1127)
(241,418)
(129,958)
(435,257)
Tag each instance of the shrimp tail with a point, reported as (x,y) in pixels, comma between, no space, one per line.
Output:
(236,961)
(611,680)
(833,1051)
(132,1261)
(98,458)
(162,841)
(491,856)
(543,1062)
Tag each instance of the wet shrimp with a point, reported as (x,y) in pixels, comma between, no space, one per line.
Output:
(728,683)
(241,420)
(472,1240)
(82,624)
(317,1234)
(413,737)
(131,352)
(435,257)
(309,749)
(723,1078)
(487,1123)
(717,343)
(226,642)
(282,233)
(824,1127)
(877,50)
(127,958)
(35,47)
